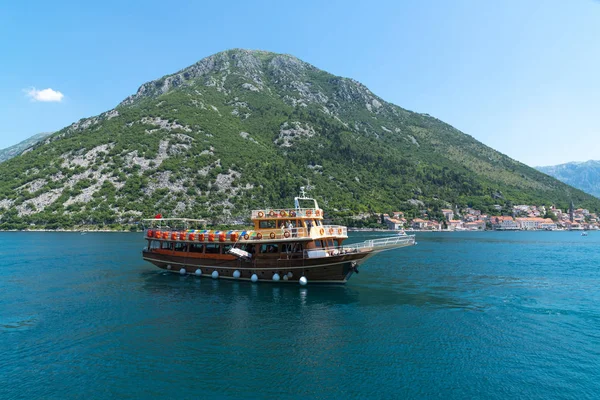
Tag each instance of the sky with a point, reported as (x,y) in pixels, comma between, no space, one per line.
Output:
(521,76)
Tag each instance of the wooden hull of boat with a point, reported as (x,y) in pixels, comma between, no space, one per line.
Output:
(334,269)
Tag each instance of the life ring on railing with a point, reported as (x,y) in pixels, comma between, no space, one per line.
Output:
(174,236)
(308,213)
(201,237)
(283,213)
(150,233)
(318,213)
(292,213)
(322,231)
(261,214)
(272,235)
(182,235)
(165,235)
(331,231)
(192,236)
(157,234)
(339,231)
(272,213)
(259,235)
(246,236)
(286,234)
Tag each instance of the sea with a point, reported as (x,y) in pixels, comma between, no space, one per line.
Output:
(464,315)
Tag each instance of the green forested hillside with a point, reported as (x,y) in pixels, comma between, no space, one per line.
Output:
(244,129)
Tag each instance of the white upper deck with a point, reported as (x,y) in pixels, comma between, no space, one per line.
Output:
(314,212)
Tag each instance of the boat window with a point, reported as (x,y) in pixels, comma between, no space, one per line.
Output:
(247,247)
(336,243)
(269,248)
(167,245)
(196,248)
(318,243)
(212,248)
(180,246)
(154,244)
(270,223)
(286,248)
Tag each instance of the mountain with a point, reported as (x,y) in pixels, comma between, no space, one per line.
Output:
(245,129)
(582,175)
(18,148)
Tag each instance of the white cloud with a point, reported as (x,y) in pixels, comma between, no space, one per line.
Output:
(44,95)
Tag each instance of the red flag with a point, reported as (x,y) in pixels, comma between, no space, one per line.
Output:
(158,216)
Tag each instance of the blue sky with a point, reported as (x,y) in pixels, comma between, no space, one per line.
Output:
(520,76)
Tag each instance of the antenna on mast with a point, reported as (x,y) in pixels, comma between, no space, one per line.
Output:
(303,196)
(302,192)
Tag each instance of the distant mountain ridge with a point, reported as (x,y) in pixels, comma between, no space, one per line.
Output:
(582,175)
(244,129)
(13,151)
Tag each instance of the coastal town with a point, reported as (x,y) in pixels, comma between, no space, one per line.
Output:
(524,217)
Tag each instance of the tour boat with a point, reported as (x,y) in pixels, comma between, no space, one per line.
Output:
(285,245)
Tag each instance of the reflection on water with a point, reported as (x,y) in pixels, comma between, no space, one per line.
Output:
(197,290)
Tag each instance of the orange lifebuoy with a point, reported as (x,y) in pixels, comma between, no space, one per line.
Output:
(272,213)
(261,214)
(308,213)
(339,231)
(318,213)
(165,235)
(331,231)
(158,234)
(233,236)
(286,234)
(283,213)
(211,237)
(174,236)
(221,237)
(192,236)
(322,231)
(246,236)
(201,237)
(272,235)
(150,233)
(182,236)
(259,235)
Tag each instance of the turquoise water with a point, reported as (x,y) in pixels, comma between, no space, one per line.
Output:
(465,315)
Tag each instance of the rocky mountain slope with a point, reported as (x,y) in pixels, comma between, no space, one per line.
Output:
(244,129)
(582,175)
(20,147)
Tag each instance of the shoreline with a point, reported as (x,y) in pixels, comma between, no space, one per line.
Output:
(349,230)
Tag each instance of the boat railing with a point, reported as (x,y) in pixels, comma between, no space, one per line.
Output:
(203,235)
(286,213)
(329,230)
(380,243)
(175,224)
(367,245)
(276,234)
